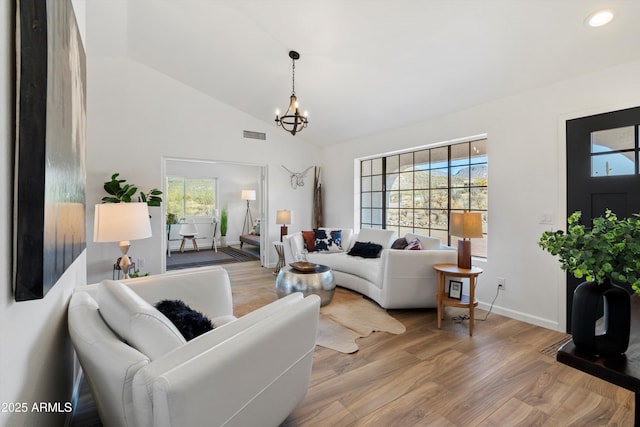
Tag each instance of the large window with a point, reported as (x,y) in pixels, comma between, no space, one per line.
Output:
(417,191)
(191,197)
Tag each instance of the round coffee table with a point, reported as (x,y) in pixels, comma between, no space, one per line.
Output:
(320,282)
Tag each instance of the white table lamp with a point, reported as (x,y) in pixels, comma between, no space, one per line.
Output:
(283,217)
(121,222)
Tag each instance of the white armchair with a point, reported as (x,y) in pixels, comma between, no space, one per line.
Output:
(248,371)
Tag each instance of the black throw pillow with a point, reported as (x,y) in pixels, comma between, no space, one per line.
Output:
(190,323)
(365,250)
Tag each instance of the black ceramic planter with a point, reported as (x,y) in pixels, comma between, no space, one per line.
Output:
(616,304)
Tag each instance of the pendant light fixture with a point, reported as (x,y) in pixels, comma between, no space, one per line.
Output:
(292,121)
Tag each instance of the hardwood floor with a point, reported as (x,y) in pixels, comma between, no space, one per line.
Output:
(432,377)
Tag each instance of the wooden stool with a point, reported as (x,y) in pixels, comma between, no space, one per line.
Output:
(193,241)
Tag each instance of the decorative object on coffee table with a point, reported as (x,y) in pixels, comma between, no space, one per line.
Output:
(316,279)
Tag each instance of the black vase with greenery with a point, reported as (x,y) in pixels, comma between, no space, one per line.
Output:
(606,255)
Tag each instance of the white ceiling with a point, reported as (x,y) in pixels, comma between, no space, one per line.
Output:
(366,66)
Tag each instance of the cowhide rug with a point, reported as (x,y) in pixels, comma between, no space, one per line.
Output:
(350,316)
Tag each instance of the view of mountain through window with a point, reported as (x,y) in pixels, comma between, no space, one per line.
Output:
(417,191)
(191,197)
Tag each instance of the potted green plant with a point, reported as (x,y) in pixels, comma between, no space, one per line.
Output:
(224,218)
(120,192)
(605,255)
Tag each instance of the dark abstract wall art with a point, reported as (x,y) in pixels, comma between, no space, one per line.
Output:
(50,176)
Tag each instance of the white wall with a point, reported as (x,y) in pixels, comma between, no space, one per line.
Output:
(36,362)
(526,180)
(137,117)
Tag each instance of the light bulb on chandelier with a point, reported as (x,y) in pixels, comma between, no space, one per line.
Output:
(292,121)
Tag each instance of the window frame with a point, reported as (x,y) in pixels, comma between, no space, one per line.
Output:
(185,179)
(397,191)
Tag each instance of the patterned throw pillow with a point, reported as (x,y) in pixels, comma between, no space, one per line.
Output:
(328,240)
(414,245)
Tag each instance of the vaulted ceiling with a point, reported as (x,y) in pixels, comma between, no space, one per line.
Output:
(366,66)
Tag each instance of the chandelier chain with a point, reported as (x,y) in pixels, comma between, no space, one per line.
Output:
(293,76)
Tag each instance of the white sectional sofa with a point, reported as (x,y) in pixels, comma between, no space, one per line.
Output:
(396,279)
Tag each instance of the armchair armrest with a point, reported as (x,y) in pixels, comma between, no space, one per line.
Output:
(252,371)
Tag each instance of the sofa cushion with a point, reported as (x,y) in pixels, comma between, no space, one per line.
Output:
(427,242)
(365,250)
(136,321)
(367,268)
(374,235)
(328,240)
(191,323)
(413,245)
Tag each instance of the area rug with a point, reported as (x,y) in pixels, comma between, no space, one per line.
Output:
(350,316)
(206,257)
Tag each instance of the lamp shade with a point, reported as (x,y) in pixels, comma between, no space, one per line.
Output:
(248,194)
(466,224)
(283,217)
(118,222)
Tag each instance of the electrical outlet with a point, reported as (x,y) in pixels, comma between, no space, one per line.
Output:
(502,283)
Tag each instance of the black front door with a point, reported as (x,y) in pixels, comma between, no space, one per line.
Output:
(602,170)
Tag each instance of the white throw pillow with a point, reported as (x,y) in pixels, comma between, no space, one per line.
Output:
(136,321)
(427,242)
(297,244)
(384,238)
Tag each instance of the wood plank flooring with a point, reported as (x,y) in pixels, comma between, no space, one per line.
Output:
(431,377)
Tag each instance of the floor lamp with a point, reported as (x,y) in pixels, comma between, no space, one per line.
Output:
(248,195)
(121,222)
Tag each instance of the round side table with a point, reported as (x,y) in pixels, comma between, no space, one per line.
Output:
(470,302)
(320,282)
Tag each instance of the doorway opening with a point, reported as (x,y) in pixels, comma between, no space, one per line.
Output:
(198,193)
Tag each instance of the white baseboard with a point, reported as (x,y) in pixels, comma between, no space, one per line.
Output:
(524,317)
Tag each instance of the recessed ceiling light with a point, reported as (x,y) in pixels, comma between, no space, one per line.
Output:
(600,18)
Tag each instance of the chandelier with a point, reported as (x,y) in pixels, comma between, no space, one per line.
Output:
(292,121)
